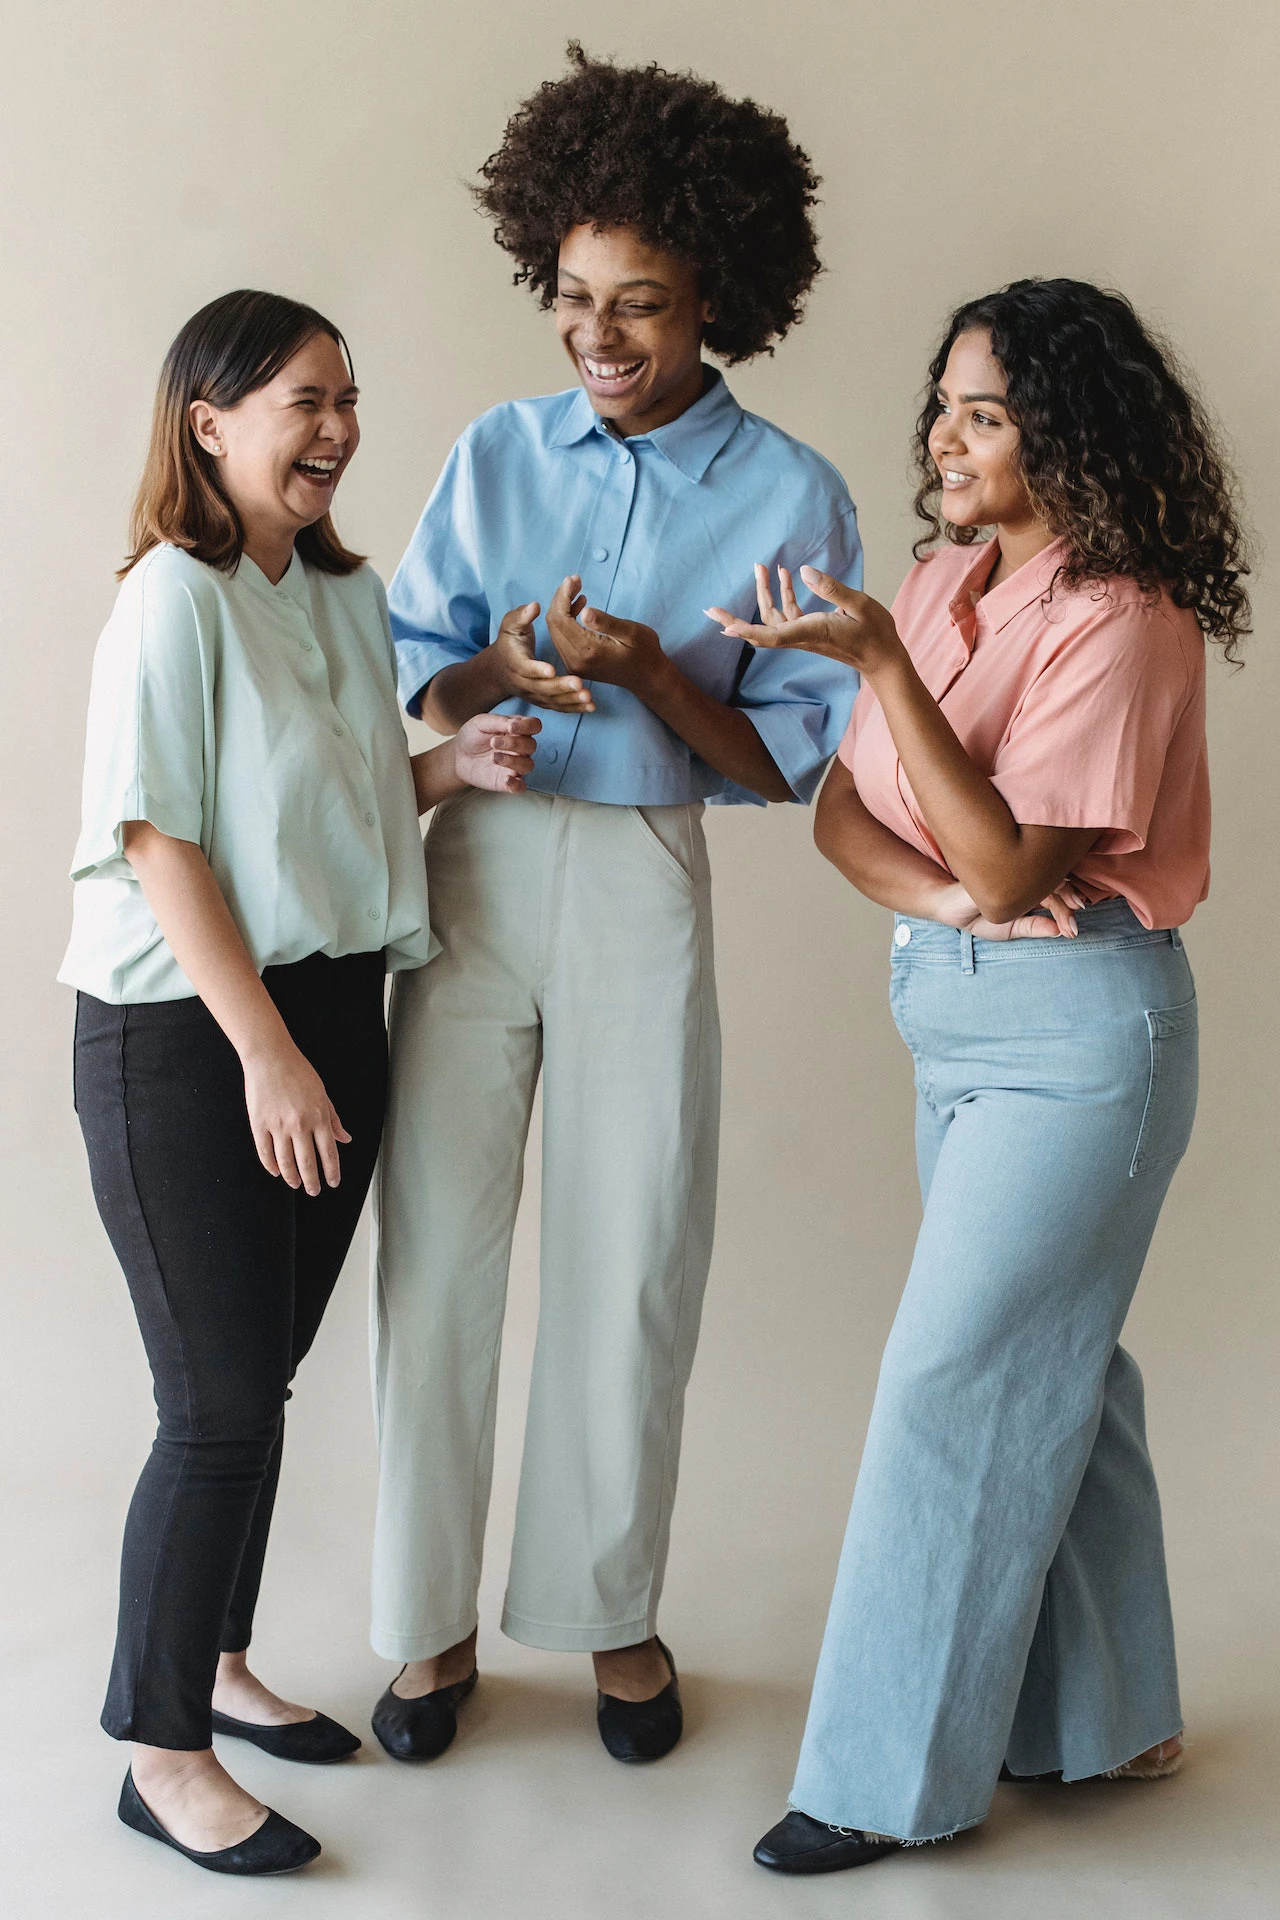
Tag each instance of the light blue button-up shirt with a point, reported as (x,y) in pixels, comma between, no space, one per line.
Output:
(659,527)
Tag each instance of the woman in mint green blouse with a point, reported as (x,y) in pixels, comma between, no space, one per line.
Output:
(249,869)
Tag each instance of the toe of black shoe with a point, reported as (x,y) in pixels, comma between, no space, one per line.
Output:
(419,1729)
(799,1844)
(315,1742)
(640,1730)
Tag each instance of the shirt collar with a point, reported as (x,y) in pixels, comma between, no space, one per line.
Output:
(1032,581)
(690,442)
(292,584)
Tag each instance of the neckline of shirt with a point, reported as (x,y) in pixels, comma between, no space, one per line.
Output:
(1031,581)
(690,442)
(292,585)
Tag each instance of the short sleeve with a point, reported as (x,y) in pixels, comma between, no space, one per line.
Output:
(798,702)
(439,609)
(149,713)
(1087,744)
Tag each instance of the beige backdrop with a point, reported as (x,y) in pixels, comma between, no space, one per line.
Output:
(155,154)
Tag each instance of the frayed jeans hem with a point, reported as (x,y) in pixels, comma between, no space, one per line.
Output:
(876,1830)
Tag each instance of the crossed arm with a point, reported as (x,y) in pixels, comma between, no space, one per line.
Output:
(1004,868)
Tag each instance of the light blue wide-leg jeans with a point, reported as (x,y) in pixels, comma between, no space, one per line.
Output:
(1002,1592)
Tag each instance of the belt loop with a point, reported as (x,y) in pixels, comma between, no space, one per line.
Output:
(966,950)
(1175,938)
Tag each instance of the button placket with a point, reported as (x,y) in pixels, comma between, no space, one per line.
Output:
(606,531)
(364,786)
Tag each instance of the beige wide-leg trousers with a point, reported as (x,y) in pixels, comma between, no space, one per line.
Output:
(576,941)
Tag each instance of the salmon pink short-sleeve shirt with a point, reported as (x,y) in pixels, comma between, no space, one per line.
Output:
(1084,708)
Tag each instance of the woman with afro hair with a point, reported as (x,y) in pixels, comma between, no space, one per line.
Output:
(561,568)
(1030,728)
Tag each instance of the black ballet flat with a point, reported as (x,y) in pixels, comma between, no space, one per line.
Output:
(800,1844)
(315,1742)
(637,1730)
(276,1847)
(420,1729)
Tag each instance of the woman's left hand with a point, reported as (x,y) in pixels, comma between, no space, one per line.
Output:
(495,751)
(860,633)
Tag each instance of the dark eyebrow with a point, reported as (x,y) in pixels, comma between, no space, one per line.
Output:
(660,285)
(298,393)
(999,398)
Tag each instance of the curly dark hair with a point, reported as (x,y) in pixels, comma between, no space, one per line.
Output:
(1118,455)
(719,183)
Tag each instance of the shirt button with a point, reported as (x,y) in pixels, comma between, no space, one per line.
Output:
(600,553)
(306,645)
(370,818)
(902,936)
(375,913)
(337,731)
(548,754)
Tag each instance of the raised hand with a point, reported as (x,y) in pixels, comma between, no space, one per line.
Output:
(860,632)
(495,751)
(599,647)
(525,677)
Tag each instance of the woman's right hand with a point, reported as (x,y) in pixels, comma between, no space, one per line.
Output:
(957,909)
(295,1126)
(525,677)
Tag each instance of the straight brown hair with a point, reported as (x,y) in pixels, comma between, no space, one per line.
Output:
(229,349)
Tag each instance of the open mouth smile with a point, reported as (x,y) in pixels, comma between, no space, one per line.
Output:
(608,374)
(952,478)
(318,472)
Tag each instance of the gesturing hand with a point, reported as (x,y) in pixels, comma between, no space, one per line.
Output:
(293,1120)
(860,632)
(528,678)
(495,751)
(599,647)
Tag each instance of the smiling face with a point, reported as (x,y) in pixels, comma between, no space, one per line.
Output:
(974,443)
(631,319)
(282,451)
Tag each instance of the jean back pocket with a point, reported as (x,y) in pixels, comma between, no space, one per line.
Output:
(1171,1089)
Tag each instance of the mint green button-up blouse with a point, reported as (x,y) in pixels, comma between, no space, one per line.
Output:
(260,723)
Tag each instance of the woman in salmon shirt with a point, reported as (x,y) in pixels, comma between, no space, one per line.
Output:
(1030,729)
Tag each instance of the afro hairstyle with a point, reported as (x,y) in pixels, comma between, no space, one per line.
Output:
(717,182)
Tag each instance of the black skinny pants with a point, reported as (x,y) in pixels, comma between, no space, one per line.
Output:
(230,1272)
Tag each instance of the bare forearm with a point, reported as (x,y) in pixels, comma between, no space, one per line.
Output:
(196,922)
(435,773)
(1007,868)
(721,735)
(874,859)
(457,693)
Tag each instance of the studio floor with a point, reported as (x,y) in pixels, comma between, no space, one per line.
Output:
(527,1819)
